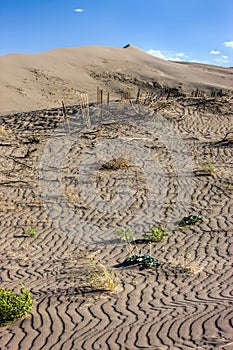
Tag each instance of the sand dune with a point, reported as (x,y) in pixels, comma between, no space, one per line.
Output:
(35,81)
(75,206)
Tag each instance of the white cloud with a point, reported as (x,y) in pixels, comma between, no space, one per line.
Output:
(180,54)
(79,10)
(228,44)
(168,55)
(222,59)
(215,52)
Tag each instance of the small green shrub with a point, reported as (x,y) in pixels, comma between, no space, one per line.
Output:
(34,138)
(14,306)
(190,220)
(125,235)
(30,231)
(146,261)
(157,234)
(208,167)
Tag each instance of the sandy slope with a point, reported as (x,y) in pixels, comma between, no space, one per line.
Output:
(29,82)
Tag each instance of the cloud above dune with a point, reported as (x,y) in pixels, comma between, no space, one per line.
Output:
(222,59)
(79,10)
(228,44)
(215,52)
(168,55)
(218,57)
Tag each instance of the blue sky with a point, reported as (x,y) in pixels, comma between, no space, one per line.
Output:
(189,30)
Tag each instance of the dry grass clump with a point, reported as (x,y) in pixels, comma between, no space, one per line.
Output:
(206,168)
(87,272)
(116,164)
(3,131)
(72,194)
(186,265)
(102,278)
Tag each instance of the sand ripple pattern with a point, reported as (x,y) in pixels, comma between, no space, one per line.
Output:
(169,308)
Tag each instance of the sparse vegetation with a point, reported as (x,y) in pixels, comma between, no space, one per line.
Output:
(34,138)
(30,231)
(103,279)
(190,220)
(182,265)
(90,273)
(146,261)
(3,131)
(125,235)
(14,306)
(128,237)
(228,185)
(206,168)
(116,164)
(156,235)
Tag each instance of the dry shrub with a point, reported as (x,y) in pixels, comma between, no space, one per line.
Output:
(186,265)
(102,278)
(86,271)
(3,131)
(116,164)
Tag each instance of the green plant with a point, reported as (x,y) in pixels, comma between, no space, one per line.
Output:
(30,231)
(125,235)
(128,237)
(157,234)
(190,220)
(206,168)
(146,261)
(35,138)
(14,306)
(227,185)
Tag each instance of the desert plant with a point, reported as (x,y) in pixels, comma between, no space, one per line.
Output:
(14,306)
(146,261)
(125,235)
(156,235)
(34,138)
(190,220)
(128,237)
(102,278)
(2,130)
(116,164)
(30,231)
(206,168)
(228,185)
(188,266)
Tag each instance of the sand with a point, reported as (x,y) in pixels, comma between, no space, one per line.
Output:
(31,82)
(186,303)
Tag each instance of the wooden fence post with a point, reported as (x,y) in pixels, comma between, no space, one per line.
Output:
(138,95)
(64,111)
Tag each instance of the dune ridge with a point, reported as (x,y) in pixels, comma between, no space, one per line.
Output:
(42,80)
